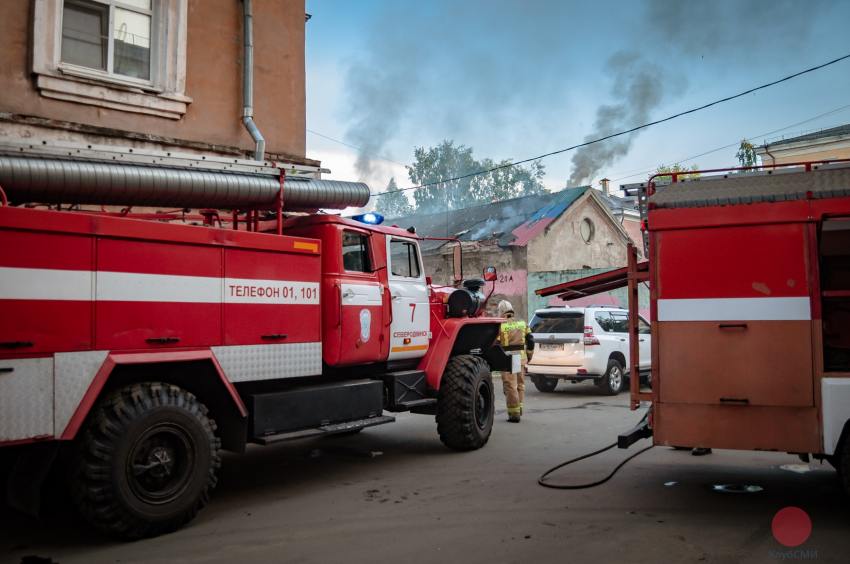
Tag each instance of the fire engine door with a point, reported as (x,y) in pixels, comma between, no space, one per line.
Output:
(409,335)
(361,303)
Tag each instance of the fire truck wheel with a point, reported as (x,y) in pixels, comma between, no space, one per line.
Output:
(465,405)
(147,461)
(612,381)
(544,384)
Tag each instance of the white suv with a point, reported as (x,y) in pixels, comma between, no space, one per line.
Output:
(584,343)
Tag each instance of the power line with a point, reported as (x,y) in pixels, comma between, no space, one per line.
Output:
(679,161)
(627,131)
(355,147)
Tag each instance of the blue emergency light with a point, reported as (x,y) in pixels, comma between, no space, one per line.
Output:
(371,218)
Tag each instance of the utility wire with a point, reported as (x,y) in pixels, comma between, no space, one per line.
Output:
(679,161)
(627,131)
(355,147)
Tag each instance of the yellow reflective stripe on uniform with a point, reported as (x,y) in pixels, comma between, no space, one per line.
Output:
(512,334)
(514,410)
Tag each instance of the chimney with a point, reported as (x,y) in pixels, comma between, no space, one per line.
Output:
(605,190)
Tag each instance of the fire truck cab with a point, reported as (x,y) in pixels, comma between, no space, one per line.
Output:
(132,351)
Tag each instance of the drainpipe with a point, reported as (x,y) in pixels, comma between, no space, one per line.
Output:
(772,158)
(248,82)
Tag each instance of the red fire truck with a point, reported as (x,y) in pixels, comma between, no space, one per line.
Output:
(749,275)
(146,345)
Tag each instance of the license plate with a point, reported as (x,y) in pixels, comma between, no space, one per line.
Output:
(547,347)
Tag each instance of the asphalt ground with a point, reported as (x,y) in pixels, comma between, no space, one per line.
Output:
(394,493)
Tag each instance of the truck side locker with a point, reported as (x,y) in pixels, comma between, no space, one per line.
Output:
(729,309)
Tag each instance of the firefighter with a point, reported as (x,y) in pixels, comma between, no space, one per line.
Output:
(512,338)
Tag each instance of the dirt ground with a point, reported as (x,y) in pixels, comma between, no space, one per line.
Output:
(394,493)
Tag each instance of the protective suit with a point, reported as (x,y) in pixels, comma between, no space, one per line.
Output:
(512,338)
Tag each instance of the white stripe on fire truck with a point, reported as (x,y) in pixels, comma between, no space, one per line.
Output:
(45,284)
(52,284)
(736,309)
(137,287)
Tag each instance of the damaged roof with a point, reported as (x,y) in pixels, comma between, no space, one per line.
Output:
(509,222)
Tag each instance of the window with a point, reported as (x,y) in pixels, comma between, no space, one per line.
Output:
(127,55)
(603,318)
(355,252)
(620,322)
(404,260)
(558,322)
(643,327)
(587,229)
(113,36)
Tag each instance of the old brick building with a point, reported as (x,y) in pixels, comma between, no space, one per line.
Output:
(159,76)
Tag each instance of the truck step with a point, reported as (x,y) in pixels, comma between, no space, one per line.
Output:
(416,404)
(324,430)
(314,406)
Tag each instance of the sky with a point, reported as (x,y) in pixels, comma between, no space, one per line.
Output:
(513,79)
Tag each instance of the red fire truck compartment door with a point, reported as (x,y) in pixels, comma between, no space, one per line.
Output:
(764,363)
(734,322)
(45,292)
(153,294)
(271,297)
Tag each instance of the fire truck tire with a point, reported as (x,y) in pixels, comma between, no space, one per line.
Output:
(544,384)
(612,381)
(465,404)
(147,461)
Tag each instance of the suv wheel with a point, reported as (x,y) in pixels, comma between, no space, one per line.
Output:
(612,381)
(544,384)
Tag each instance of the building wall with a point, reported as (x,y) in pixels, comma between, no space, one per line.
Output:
(510,266)
(213,80)
(617,297)
(632,227)
(816,150)
(562,248)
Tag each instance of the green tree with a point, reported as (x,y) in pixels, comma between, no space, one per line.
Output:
(447,160)
(746,154)
(509,181)
(687,173)
(392,202)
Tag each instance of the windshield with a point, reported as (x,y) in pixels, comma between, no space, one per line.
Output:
(558,322)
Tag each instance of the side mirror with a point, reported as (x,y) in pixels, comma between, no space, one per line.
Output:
(378,260)
(490,274)
(457,263)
